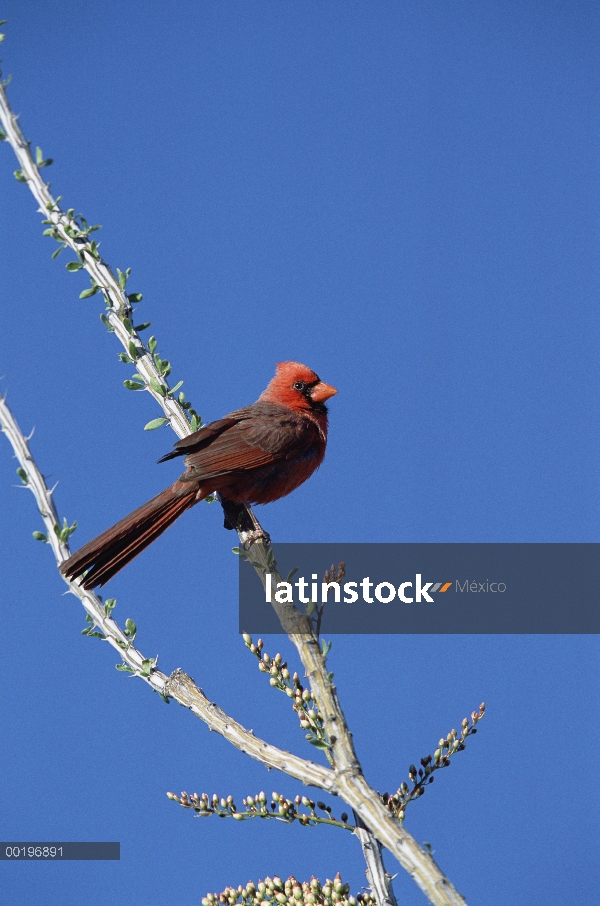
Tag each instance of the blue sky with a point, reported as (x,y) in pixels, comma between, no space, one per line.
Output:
(404,196)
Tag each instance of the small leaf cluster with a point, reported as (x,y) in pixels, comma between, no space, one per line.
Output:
(63,534)
(421,777)
(282,809)
(90,630)
(40,161)
(290,893)
(76,227)
(303,702)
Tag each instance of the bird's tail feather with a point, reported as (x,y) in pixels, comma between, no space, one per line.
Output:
(105,555)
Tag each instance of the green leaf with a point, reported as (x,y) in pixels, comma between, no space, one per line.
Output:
(124,668)
(23,475)
(310,608)
(240,553)
(51,231)
(319,743)
(20,176)
(123,277)
(88,293)
(107,323)
(125,358)
(40,536)
(330,677)
(165,698)
(175,388)
(158,388)
(195,423)
(152,344)
(147,665)
(133,350)
(109,606)
(130,629)
(155,423)
(144,326)
(134,385)
(59,250)
(74,266)
(128,325)
(292,573)
(2,135)
(134,298)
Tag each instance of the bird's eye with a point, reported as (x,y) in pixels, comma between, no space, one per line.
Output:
(300,385)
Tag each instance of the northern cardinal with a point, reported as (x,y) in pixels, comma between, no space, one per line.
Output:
(253,455)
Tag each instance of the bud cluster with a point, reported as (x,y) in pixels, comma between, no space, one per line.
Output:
(287,810)
(290,893)
(303,702)
(419,778)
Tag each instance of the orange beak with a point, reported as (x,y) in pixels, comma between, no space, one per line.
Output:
(322,392)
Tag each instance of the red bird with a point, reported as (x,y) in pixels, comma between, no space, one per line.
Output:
(253,455)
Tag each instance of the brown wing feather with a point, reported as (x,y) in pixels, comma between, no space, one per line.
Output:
(264,434)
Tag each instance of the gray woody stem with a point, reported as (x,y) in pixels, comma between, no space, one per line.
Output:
(346,779)
(178,686)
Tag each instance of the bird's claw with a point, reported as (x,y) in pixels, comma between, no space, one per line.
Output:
(255,535)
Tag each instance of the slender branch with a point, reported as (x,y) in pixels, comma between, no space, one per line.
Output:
(350,783)
(347,780)
(71,233)
(379,880)
(178,686)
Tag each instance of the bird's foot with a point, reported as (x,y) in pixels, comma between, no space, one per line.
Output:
(257,534)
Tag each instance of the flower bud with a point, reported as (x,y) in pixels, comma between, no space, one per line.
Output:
(247,638)
(306,695)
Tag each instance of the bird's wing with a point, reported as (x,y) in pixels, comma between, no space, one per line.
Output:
(205,435)
(249,442)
